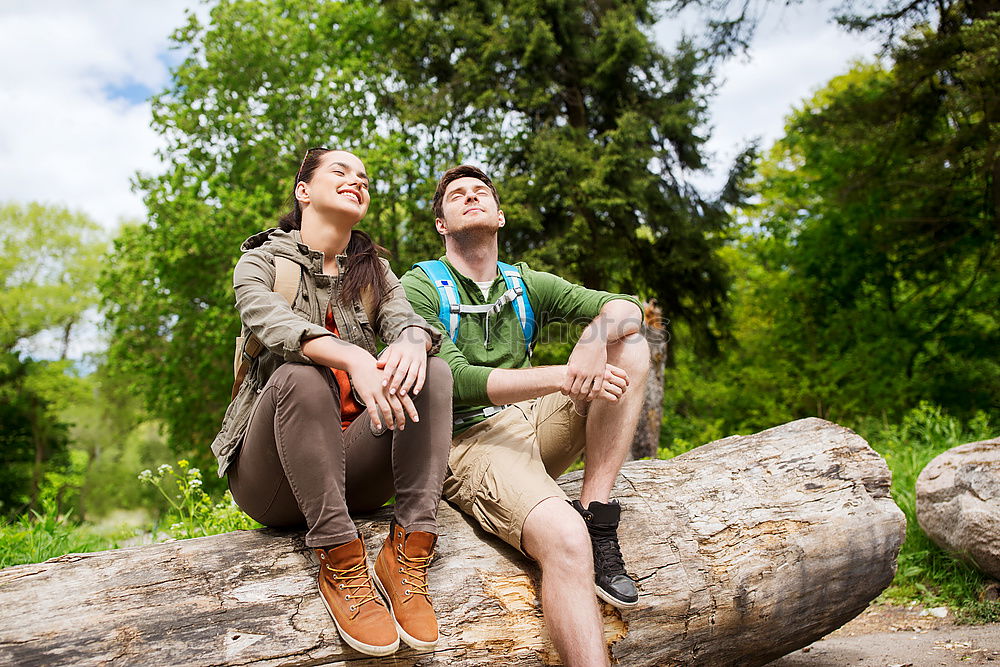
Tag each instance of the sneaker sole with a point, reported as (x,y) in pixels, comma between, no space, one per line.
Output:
(613,601)
(367,649)
(408,639)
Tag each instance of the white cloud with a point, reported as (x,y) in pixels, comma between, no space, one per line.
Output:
(796,51)
(64,138)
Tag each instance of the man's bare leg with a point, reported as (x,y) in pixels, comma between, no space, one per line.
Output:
(611,426)
(554,535)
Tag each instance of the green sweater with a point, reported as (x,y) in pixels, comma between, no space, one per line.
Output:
(472,358)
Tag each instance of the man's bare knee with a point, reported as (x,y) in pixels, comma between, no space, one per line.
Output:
(555,535)
(632,354)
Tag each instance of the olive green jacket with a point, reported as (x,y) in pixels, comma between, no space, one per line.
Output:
(282,328)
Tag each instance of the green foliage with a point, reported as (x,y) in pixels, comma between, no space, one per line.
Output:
(48,257)
(112,438)
(588,126)
(867,273)
(879,216)
(33,440)
(926,573)
(40,535)
(191,511)
(590,129)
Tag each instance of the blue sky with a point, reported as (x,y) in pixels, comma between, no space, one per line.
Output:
(76,78)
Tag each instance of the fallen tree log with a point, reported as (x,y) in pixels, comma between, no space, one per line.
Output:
(745,549)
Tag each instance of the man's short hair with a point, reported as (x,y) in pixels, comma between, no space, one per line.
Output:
(454,174)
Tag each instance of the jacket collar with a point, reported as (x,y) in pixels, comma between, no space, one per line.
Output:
(289,244)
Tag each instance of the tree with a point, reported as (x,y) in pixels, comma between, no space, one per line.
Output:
(590,157)
(867,278)
(592,130)
(48,260)
(884,190)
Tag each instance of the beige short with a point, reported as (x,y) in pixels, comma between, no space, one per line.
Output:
(502,467)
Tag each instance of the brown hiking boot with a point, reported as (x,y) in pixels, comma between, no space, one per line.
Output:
(345,586)
(401,575)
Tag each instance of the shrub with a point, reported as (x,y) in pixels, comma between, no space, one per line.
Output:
(191,512)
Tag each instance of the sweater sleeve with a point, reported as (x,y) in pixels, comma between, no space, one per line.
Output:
(266,313)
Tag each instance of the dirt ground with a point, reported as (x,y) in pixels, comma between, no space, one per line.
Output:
(895,636)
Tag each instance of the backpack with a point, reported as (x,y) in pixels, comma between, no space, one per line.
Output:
(451,308)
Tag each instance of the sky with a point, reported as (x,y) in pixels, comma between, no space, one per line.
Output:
(75,78)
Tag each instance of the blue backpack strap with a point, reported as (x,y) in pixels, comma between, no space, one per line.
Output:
(448,299)
(515,281)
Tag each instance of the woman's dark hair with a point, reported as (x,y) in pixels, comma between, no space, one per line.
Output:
(363,266)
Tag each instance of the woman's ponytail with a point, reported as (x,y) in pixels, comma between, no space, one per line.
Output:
(364,269)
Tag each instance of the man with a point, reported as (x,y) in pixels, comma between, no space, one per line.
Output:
(517,428)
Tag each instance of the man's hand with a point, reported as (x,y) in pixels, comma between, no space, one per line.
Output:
(614,385)
(586,369)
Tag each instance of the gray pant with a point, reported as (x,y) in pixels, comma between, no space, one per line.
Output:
(296,465)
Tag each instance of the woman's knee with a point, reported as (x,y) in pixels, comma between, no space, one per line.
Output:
(438,374)
(437,382)
(304,383)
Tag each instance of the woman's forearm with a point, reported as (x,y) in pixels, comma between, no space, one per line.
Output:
(336,353)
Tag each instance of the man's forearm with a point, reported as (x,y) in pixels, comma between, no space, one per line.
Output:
(510,385)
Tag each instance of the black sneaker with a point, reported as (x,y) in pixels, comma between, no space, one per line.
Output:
(613,585)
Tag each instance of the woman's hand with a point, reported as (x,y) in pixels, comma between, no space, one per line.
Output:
(404,363)
(383,408)
(367,380)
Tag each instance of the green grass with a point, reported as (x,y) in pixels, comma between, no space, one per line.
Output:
(191,512)
(38,536)
(926,574)
(188,512)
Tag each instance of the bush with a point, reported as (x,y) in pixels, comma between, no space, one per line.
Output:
(191,511)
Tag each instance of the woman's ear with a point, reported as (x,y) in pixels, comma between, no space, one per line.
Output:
(302,192)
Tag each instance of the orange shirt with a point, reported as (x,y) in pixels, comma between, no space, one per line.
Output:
(349,408)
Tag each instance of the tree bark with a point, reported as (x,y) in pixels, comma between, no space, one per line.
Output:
(744,549)
(646,443)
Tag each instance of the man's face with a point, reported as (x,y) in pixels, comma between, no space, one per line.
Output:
(468,205)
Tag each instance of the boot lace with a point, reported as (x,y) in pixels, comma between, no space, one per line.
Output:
(415,567)
(357,582)
(607,552)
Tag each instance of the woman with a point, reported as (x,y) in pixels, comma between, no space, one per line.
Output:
(297,442)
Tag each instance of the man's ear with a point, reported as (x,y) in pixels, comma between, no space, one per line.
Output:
(501,219)
(302,192)
(440,226)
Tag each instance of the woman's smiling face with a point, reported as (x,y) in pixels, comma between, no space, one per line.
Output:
(338,185)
